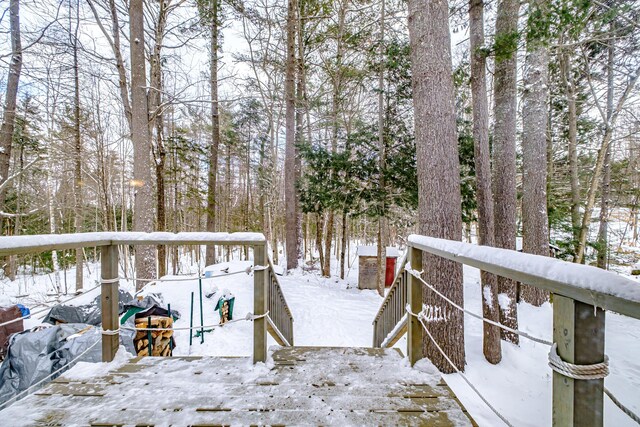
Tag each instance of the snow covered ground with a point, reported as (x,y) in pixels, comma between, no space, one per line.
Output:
(332,312)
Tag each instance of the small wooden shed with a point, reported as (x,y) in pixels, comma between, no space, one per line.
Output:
(368,265)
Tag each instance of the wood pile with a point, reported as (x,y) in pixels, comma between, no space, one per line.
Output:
(224,312)
(160,340)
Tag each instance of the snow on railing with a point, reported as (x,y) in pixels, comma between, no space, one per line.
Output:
(267,292)
(11,245)
(584,283)
(580,295)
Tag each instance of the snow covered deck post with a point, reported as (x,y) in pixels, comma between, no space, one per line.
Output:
(578,329)
(260,302)
(109,300)
(414,300)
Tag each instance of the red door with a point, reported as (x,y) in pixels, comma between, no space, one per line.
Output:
(390,272)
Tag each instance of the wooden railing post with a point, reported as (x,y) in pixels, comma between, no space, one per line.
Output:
(578,329)
(414,299)
(260,303)
(109,300)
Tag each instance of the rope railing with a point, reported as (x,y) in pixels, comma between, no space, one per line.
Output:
(421,316)
(249,317)
(570,370)
(248,270)
(417,275)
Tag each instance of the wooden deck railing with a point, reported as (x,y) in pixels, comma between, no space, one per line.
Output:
(270,307)
(280,318)
(581,295)
(391,320)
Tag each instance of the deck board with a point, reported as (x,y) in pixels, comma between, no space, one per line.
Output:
(300,385)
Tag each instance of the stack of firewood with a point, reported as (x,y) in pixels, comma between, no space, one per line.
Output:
(160,340)
(224,312)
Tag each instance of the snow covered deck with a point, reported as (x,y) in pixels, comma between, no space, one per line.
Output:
(300,385)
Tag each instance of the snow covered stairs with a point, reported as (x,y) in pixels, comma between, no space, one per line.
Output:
(299,385)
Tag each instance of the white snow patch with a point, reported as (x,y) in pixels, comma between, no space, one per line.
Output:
(504,301)
(87,370)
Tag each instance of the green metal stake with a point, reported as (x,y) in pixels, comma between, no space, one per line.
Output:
(171,337)
(149,335)
(191,323)
(201,313)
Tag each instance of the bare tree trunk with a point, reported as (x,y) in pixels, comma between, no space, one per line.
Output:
(491,334)
(343,243)
(382,152)
(143,200)
(300,103)
(600,160)
(504,156)
(572,143)
(159,152)
(114,42)
(291,197)
(215,132)
(11,96)
(319,227)
(603,246)
(439,200)
(535,222)
(77,170)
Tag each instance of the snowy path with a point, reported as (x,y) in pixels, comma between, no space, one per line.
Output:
(300,386)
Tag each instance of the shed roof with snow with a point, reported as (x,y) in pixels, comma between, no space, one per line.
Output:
(372,251)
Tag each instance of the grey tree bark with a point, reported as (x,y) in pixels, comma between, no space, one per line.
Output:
(382,152)
(143,219)
(491,334)
(504,154)
(11,96)
(535,221)
(157,121)
(77,160)
(291,196)
(215,132)
(439,200)
(602,258)
(572,143)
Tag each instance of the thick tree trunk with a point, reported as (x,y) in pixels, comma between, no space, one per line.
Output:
(535,221)
(291,197)
(11,96)
(439,202)
(491,334)
(143,200)
(215,133)
(504,156)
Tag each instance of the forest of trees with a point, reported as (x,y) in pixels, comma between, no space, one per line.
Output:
(320,122)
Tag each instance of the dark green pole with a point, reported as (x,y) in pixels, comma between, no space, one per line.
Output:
(171,337)
(191,323)
(201,313)
(149,334)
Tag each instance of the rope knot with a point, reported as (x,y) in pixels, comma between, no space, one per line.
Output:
(596,371)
